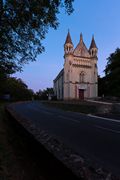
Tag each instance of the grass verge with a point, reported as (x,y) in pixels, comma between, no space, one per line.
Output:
(16,163)
(82,107)
(3,148)
(103,110)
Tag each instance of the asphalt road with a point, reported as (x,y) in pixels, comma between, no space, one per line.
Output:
(95,138)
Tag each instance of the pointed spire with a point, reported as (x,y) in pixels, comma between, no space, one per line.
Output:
(81,37)
(68,38)
(93,44)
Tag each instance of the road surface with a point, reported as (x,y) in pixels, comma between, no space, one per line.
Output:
(95,138)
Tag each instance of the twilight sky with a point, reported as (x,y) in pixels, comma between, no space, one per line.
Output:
(99,18)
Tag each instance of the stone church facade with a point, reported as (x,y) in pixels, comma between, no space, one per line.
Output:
(79,77)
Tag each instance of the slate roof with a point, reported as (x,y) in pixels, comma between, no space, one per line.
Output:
(59,75)
(68,39)
(93,44)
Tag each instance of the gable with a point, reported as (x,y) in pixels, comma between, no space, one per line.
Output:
(81,50)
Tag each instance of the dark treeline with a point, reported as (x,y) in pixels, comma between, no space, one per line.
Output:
(109,85)
(14,89)
(46,94)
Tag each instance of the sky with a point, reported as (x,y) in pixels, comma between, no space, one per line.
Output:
(90,17)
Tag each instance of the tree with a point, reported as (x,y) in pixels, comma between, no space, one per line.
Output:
(112,72)
(101,86)
(23,26)
(44,94)
(6,68)
(17,89)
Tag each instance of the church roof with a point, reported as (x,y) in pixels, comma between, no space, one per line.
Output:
(68,39)
(81,49)
(93,44)
(59,75)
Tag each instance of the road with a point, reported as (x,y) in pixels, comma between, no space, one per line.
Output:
(91,137)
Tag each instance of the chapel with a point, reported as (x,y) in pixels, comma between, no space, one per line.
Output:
(78,79)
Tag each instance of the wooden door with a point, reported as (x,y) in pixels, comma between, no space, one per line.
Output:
(81,94)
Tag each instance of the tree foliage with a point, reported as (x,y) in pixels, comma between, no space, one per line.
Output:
(101,86)
(17,89)
(23,26)
(44,94)
(112,74)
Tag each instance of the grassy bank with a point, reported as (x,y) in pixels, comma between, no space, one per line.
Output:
(16,162)
(103,110)
(4,147)
(82,107)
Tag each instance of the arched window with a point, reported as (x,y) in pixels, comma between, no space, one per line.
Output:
(92,52)
(82,77)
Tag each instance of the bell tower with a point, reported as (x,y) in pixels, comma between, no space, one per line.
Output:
(68,46)
(93,48)
(68,58)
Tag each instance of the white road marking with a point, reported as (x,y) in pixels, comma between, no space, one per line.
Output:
(70,119)
(106,119)
(108,129)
